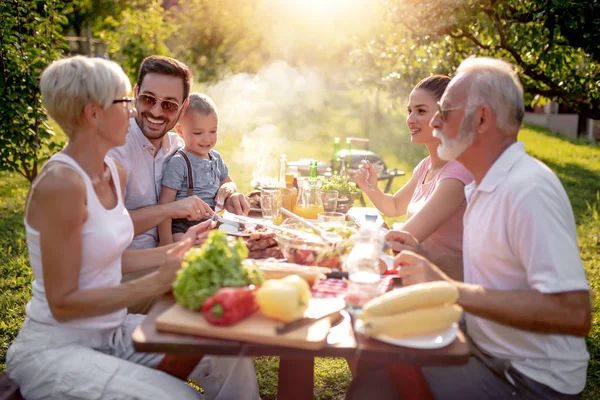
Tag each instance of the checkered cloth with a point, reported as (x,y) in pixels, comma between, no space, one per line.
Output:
(337,287)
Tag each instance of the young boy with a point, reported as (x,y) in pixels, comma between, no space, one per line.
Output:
(198,127)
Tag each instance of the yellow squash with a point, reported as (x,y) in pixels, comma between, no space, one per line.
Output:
(413,297)
(414,323)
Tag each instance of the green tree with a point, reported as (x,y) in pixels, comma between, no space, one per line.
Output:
(30,38)
(218,37)
(420,37)
(140,29)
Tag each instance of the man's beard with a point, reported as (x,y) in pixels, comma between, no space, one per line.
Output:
(451,149)
(154,134)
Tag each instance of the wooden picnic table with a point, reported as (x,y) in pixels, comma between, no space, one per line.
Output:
(296,366)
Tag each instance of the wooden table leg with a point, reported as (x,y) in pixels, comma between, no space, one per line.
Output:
(352,366)
(409,381)
(296,378)
(179,366)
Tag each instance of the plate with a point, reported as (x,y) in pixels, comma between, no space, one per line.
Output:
(232,230)
(433,341)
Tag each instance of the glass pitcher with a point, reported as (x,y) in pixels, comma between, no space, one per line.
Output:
(309,203)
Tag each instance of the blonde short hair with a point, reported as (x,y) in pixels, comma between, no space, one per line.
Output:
(201,103)
(68,85)
(495,83)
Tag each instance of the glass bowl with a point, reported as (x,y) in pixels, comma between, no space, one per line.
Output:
(301,251)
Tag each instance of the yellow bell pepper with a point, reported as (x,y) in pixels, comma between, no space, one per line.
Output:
(284,299)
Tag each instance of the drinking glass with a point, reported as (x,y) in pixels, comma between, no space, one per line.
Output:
(270,202)
(331,218)
(329,199)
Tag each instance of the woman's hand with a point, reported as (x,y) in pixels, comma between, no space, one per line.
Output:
(366,176)
(167,272)
(198,233)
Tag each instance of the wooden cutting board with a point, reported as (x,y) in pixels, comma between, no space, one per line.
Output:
(257,328)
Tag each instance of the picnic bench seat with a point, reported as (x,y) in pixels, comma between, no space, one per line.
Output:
(9,389)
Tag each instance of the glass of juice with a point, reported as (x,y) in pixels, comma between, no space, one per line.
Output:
(270,202)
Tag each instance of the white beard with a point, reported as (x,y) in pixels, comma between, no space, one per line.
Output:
(449,150)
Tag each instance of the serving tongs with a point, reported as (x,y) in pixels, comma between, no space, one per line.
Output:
(252,221)
(330,237)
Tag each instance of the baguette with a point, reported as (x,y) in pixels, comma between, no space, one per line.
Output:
(278,270)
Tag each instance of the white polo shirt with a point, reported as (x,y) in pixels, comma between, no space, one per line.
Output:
(144,174)
(519,234)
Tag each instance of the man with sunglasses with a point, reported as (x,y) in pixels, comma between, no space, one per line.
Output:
(525,293)
(161,98)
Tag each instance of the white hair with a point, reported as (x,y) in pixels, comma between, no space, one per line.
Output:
(68,85)
(495,83)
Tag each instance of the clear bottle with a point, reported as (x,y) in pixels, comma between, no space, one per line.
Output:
(362,264)
(348,153)
(335,163)
(282,170)
(283,200)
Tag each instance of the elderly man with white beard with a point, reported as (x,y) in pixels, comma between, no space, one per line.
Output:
(525,293)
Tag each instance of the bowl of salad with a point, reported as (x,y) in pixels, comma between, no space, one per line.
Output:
(299,250)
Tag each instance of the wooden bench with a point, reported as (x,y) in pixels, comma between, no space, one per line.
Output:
(8,389)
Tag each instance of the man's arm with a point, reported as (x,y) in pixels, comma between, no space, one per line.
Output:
(560,313)
(565,313)
(146,218)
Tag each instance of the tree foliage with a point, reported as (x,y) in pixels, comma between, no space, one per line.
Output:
(137,30)
(30,38)
(216,38)
(555,60)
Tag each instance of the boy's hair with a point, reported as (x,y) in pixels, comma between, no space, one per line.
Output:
(435,85)
(68,85)
(166,66)
(201,103)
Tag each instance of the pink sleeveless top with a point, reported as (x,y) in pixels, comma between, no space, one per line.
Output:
(448,238)
(105,235)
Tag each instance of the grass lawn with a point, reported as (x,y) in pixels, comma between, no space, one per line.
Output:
(576,163)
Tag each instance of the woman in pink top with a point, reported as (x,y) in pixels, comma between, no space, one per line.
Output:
(433,198)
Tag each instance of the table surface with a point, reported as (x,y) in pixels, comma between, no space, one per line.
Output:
(341,342)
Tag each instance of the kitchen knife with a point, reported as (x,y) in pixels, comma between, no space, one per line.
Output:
(299,323)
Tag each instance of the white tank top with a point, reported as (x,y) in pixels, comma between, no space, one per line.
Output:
(105,235)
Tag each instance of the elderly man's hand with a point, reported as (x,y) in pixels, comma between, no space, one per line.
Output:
(414,269)
(238,203)
(198,233)
(224,192)
(400,240)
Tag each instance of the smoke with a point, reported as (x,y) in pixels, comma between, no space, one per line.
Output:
(254,107)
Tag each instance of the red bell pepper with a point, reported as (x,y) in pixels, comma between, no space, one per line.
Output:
(230,305)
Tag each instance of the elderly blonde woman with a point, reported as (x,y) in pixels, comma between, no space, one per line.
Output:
(75,342)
